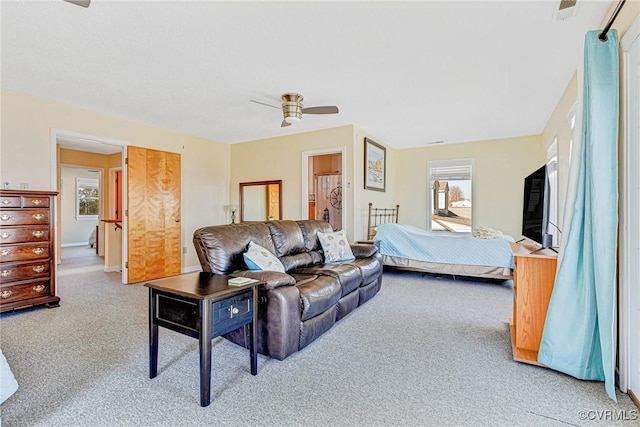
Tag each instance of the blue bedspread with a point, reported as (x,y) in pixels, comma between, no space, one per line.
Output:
(411,242)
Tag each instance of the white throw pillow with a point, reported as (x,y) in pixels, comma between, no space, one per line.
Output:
(335,246)
(486,233)
(258,258)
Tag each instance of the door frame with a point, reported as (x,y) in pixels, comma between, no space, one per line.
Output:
(629,295)
(305,178)
(91,139)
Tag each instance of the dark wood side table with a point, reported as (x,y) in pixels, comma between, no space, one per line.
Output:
(202,306)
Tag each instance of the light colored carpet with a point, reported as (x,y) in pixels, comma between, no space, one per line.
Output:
(423,352)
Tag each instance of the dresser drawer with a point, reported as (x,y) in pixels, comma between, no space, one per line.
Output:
(24,217)
(25,290)
(14,272)
(24,252)
(35,202)
(10,202)
(24,234)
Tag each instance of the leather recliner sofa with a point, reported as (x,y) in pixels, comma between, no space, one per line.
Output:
(298,306)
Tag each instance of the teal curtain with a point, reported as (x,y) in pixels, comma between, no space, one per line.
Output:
(579,338)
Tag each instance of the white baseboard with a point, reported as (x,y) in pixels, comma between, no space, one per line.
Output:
(66,245)
(115,268)
(191,269)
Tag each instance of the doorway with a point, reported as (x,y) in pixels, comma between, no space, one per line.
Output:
(80,199)
(83,204)
(323,182)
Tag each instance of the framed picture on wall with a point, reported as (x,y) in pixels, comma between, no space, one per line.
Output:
(375,165)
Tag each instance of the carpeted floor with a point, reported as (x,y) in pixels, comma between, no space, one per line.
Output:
(423,352)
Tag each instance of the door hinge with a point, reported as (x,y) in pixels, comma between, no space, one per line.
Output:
(126,160)
(126,264)
(126,212)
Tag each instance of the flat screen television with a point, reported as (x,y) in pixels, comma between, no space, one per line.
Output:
(535,211)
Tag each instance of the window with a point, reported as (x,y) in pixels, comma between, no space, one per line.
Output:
(87,198)
(450,196)
(552,172)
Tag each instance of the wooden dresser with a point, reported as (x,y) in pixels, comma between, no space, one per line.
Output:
(27,252)
(533,278)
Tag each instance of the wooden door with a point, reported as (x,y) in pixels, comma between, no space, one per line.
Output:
(154,231)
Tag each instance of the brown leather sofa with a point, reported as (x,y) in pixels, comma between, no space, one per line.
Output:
(298,306)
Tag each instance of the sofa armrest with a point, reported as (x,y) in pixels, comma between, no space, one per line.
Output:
(363,250)
(271,279)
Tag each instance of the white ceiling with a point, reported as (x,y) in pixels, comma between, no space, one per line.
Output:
(407,72)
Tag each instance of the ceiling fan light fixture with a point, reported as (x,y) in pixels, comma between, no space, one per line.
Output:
(292,107)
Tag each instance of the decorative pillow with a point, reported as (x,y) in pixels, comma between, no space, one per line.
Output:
(258,258)
(335,246)
(486,233)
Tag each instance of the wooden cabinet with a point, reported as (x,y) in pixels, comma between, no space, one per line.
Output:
(27,253)
(533,278)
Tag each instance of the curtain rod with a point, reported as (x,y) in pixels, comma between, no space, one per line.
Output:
(603,34)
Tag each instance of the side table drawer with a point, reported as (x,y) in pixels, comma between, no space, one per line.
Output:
(178,312)
(231,313)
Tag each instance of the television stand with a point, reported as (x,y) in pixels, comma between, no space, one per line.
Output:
(542,249)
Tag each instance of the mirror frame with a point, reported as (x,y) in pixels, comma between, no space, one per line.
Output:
(277,182)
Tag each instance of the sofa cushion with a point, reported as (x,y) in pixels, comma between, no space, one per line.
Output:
(291,262)
(310,229)
(258,258)
(317,296)
(335,246)
(287,237)
(348,275)
(220,247)
(369,268)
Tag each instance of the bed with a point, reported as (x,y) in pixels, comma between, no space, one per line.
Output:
(407,247)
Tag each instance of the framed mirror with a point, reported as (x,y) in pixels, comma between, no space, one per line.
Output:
(260,200)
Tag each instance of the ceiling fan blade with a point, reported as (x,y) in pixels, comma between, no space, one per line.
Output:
(83,3)
(284,124)
(264,103)
(325,109)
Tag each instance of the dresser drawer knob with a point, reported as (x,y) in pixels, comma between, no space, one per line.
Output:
(37,251)
(6,201)
(5,217)
(5,273)
(38,268)
(37,233)
(39,288)
(37,202)
(5,235)
(38,216)
(234,310)
(5,294)
(5,252)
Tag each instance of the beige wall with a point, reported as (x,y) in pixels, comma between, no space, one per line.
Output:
(362,197)
(498,174)
(26,140)
(281,158)
(558,124)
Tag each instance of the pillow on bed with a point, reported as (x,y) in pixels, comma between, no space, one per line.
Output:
(486,233)
(335,246)
(258,258)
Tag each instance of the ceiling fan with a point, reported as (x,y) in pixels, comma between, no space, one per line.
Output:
(292,108)
(83,3)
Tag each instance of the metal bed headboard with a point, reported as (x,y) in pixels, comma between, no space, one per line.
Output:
(379,216)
